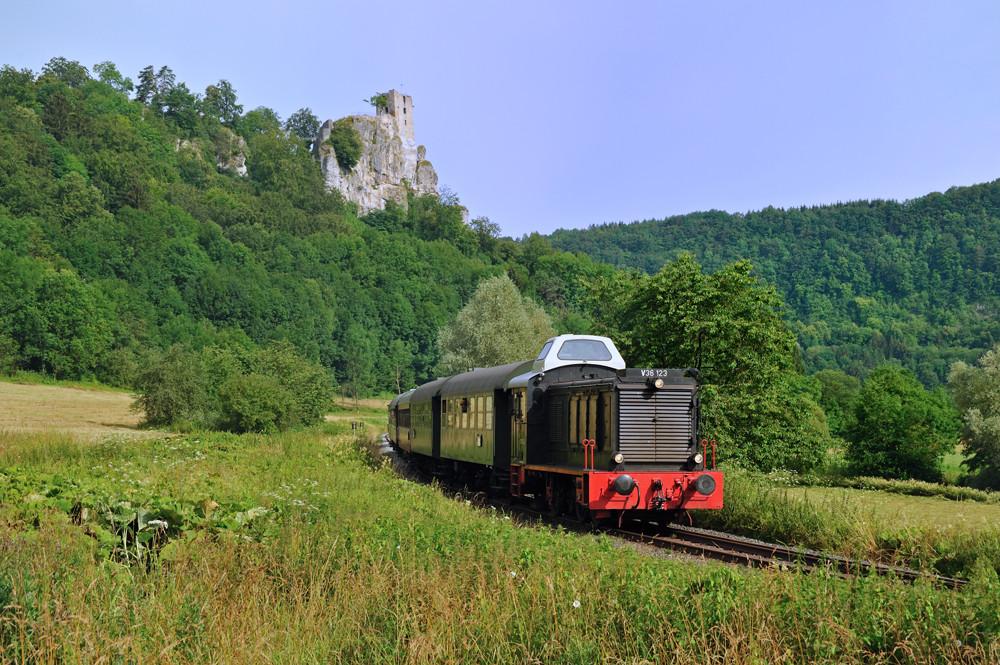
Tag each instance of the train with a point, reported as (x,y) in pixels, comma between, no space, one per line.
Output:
(573,432)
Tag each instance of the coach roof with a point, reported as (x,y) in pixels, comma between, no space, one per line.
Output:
(483,380)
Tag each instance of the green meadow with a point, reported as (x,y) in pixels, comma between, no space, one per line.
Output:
(306,547)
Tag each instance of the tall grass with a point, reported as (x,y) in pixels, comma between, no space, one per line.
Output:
(755,506)
(351,563)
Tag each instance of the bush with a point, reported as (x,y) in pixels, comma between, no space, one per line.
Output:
(172,388)
(254,403)
(234,389)
(346,143)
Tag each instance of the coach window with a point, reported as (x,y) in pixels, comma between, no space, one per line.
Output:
(489,412)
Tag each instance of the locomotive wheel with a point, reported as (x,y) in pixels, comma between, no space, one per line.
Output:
(582,512)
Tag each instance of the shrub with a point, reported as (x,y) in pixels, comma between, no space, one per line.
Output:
(172,387)
(254,403)
(346,143)
(234,389)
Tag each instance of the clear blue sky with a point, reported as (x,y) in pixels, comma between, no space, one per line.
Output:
(543,115)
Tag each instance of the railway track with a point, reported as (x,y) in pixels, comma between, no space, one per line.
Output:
(756,554)
(720,546)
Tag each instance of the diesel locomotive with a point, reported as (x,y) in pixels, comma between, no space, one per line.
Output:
(573,430)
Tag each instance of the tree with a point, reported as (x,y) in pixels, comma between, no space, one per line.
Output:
(259,121)
(303,124)
(380,101)
(359,355)
(17,84)
(497,326)
(147,85)
(67,327)
(900,430)
(70,72)
(181,106)
(400,365)
(346,143)
(164,83)
(729,328)
(837,393)
(108,74)
(977,394)
(173,388)
(220,101)
(488,233)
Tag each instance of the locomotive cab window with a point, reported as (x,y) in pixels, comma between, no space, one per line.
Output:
(545,351)
(582,349)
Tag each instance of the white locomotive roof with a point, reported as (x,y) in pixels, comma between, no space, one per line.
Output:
(578,350)
(573,350)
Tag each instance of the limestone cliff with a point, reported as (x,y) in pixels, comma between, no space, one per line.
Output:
(391,164)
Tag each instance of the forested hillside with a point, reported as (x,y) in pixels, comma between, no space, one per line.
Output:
(127,227)
(864,283)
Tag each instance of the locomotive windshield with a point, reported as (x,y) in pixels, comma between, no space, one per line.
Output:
(582,349)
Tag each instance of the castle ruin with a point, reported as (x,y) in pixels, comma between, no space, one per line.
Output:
(391,164)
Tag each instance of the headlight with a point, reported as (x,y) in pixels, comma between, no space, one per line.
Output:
(658,383)
(619,458)
(698,458)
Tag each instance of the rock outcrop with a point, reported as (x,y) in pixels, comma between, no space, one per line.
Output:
(230,151)
(391,164)
(235,158)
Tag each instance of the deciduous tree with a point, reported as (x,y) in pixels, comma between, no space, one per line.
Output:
(258,121)
(303,123)
(729,328)
(977,395)
(108,74)
(497,326)
(70,72)
(220,101)
(837,393)
(899,429)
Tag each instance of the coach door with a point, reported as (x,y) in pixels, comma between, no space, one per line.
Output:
(518,427)
(436,426)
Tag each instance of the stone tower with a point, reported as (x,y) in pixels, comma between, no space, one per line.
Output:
(400,107)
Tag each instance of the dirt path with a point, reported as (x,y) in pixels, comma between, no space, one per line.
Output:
(76,411)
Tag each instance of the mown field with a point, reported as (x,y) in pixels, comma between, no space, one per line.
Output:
(76,411)
(304,547)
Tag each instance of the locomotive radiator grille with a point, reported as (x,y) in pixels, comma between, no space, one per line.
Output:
(655,425)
